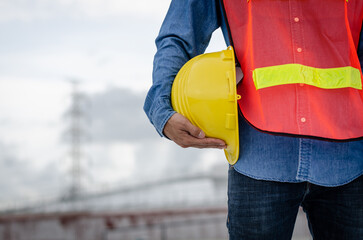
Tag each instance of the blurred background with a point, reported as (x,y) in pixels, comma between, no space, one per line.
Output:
(78,157)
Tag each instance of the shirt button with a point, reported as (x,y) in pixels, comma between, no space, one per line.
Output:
(299,50)
(296,19)
(303,119)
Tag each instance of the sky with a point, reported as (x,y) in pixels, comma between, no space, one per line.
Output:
(107,46)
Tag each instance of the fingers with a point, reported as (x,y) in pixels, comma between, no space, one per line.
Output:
(182,132)
(188,141)
(193,130)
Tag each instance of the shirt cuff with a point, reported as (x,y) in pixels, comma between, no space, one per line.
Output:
(161,113)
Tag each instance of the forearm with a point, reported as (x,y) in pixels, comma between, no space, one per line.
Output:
(185,33)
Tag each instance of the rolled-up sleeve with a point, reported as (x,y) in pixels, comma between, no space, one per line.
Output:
(185,33)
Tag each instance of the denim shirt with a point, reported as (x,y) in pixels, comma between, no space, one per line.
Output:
(184,34)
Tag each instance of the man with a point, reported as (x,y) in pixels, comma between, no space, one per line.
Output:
(301,109)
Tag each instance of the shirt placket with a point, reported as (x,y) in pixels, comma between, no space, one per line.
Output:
(298,51)
(302,106)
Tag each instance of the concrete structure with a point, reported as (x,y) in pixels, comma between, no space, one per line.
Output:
(180,208)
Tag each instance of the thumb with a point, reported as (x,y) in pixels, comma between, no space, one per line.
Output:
(194,131)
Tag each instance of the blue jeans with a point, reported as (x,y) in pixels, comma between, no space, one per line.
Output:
(267,210)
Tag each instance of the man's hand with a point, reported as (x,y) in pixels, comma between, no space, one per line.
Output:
(185,134)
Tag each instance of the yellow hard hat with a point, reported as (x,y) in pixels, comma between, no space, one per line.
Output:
(204,91)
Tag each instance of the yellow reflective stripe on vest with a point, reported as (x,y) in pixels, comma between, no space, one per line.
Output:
(328,78)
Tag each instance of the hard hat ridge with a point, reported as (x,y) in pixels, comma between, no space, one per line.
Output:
(204,91)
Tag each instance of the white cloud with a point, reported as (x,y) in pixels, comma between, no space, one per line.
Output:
(32,100)
(50,41)
(112,162)
(31,117)
(97,8)
(27,10)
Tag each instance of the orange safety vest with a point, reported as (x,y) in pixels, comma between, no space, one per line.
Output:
(302,75)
